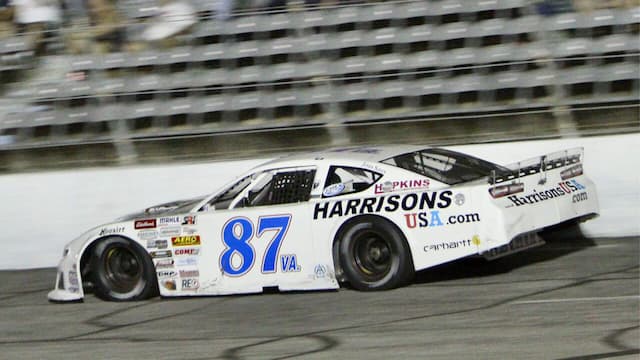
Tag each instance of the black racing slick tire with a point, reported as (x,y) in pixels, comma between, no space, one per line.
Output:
(122,271)
(374,254)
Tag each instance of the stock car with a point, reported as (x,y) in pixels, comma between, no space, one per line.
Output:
(367,216)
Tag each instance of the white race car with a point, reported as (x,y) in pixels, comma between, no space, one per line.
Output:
(369,216)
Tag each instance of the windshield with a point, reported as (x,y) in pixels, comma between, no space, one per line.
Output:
(446,166)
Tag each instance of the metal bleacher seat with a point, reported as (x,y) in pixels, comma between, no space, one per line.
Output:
(424,59)
(343,15)
(248,100)
(309,19)
(387,62)
(387,35)
(394,88)
(379,11)
(457,30)
(357,91)
(618,43)
(353,64)
(573,47)
(247,74)
(414,9)
(322,94)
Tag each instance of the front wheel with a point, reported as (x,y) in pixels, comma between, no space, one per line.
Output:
(122,271)
(374,255)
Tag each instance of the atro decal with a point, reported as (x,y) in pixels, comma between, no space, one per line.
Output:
(391,203)
(110,231)
(187,251)
(144,224)
(432,219)
(564,188)
(391,186)
(190,240)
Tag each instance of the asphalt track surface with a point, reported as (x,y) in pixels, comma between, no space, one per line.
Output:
(573,298)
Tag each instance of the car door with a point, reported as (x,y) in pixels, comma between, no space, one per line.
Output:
(259,233)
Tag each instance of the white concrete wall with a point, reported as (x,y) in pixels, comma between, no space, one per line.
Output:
(40,212)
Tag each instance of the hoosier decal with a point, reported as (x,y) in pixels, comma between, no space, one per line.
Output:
(407,202)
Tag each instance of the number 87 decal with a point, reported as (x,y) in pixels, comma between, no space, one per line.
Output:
(237,234)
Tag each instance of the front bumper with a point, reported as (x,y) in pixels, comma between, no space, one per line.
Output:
(68,285)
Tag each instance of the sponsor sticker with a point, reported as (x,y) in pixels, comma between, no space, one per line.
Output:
(387,203)
(110,231)
(187,261)
(170,231)
(450,245)
(189,220)
(189,273)
(157,244)
(401,185)
(169,220)
(167,274)
(169,284)
(190,284)
(186,252)
(320,271)
(160,254)
(164,264)
(144,224)
(190,240)
(333,190)
(563,188)
(147,234)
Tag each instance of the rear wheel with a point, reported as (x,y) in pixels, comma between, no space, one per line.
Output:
(374,254)
(122,271)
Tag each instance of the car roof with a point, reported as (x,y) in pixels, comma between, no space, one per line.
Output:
(370,153)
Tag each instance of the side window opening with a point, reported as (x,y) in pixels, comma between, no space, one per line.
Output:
(282,188)
(343,180)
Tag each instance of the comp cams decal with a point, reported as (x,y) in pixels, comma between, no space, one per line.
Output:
(391,203)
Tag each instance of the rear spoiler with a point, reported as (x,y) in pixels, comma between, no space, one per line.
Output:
(513,172)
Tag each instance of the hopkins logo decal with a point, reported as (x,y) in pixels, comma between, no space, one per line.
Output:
(390,186)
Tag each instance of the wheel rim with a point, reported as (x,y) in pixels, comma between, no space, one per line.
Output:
(123,269)
(372,255)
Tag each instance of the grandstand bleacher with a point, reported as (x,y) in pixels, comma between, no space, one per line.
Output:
(329,67)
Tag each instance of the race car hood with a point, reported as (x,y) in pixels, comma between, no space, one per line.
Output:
(169,208)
